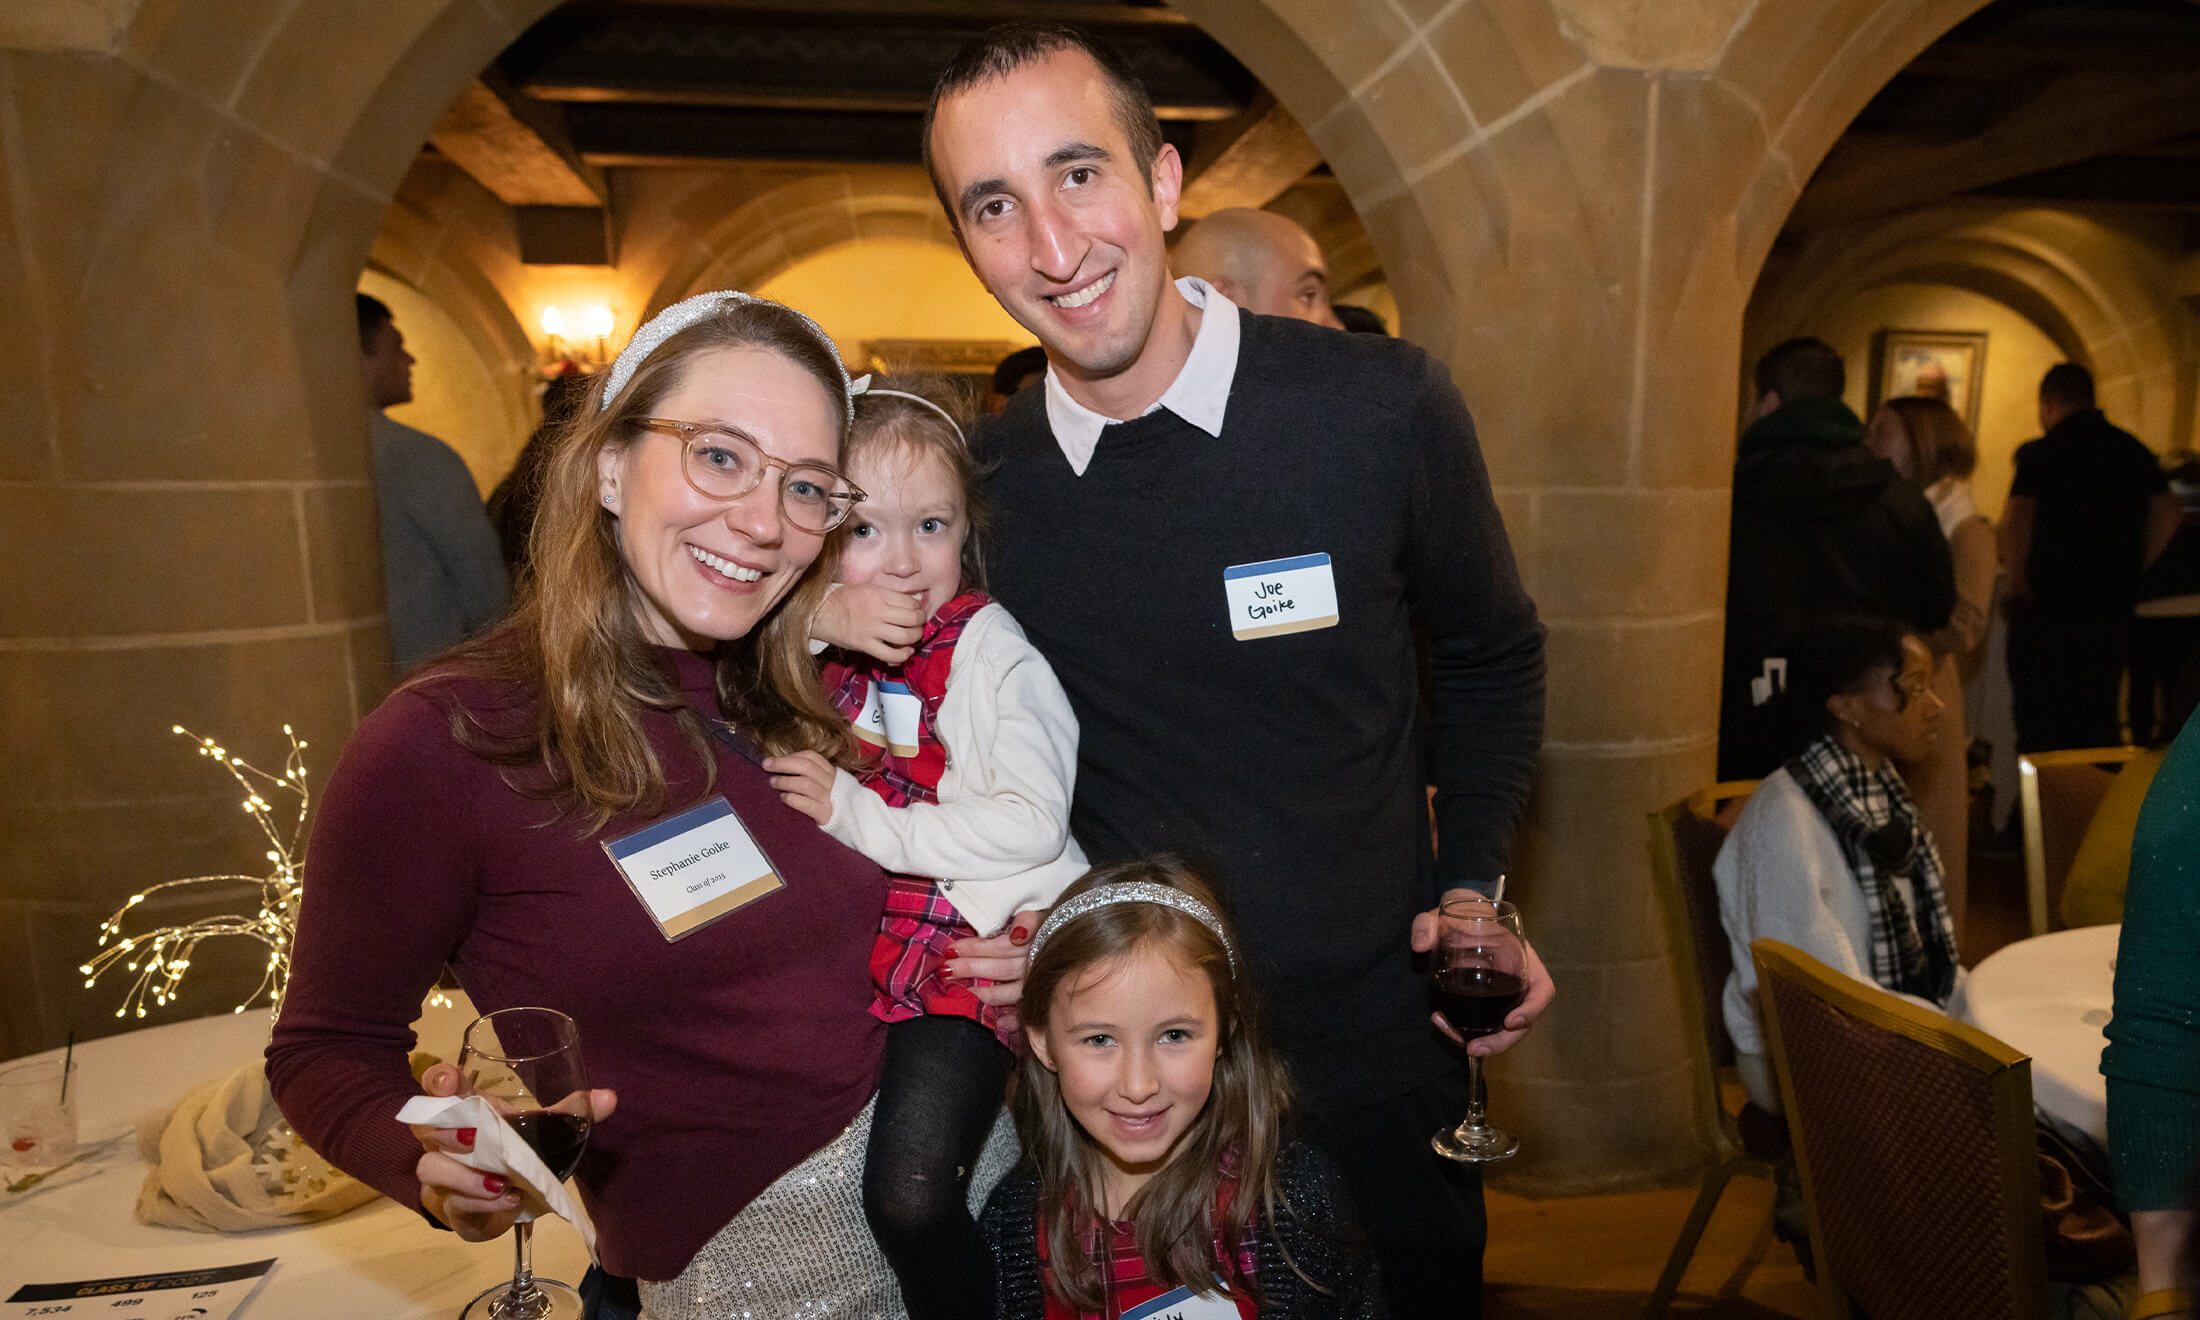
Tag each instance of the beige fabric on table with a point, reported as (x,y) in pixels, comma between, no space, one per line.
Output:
(202,1153)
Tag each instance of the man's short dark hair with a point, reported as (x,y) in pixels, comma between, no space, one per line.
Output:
(373,315)
(2067,385)
(1017,369)
(1799,369)
(1003,50)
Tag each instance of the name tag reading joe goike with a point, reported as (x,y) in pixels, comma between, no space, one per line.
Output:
(1280,596)
(693,868)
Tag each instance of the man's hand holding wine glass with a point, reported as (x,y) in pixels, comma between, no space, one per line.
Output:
(1540,991)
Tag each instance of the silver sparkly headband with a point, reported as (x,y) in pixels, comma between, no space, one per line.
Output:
(1131,891)
(688,311)
(864,386)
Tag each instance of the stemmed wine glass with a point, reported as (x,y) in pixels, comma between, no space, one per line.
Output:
(526,1062)
(1479,975)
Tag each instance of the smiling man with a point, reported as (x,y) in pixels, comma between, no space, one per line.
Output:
(1219,528)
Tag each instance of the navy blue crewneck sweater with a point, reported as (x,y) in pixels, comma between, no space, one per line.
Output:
(1288,766)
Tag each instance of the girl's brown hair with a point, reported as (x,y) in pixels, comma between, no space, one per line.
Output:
(887,425)
(574,637)
(1940,444)
(1174,1213)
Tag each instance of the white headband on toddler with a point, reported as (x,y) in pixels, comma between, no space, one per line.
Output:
(862,385)
(1131,891)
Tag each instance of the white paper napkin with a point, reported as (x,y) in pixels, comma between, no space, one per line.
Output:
(498,1149)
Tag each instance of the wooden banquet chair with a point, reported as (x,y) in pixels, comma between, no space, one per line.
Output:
(2057,794)
(1685,838)
(1913,1139)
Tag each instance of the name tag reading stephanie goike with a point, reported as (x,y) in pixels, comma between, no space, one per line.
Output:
(1281,596)
(693,868)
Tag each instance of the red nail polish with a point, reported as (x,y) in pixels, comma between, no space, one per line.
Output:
(494,1184)
(465,1136)
(1018,935)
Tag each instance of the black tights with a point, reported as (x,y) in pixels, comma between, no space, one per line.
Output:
(938,1095)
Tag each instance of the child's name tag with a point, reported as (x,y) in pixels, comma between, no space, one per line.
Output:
(870,722)
(1184,1304)
(1281,596)
(693,868)
(904,716)
(890,717)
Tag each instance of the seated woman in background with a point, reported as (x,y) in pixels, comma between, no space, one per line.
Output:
(1830,854)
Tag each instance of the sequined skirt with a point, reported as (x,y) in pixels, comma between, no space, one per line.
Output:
(801,1249)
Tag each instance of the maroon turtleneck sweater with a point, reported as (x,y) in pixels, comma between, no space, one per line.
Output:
(736,1052)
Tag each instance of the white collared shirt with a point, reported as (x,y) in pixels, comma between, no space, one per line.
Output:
(1199,394)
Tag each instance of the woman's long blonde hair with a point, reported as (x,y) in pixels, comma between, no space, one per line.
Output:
(1241,1126)
(574,637)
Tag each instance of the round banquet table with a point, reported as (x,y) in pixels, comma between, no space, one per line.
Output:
(377,1262)
(2049,996)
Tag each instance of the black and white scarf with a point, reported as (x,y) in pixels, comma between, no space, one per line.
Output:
(1871,814)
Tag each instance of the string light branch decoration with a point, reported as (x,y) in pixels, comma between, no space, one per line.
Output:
(278,805)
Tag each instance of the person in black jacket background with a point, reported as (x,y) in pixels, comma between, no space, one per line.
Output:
(1821,526)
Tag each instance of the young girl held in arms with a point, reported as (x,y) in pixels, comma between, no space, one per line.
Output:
(1153,1110)
(964,800)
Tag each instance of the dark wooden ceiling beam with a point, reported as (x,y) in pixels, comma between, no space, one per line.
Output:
(2071,118)
(955,13)
(653,135)
(884,65)
(2124,181)
(516,149)
(1249,161)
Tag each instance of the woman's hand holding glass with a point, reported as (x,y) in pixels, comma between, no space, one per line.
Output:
(475,1206)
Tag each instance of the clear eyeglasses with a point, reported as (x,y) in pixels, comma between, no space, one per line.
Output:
(724,466)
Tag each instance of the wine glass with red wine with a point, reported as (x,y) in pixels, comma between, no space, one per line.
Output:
(526,1062)
(1478,975)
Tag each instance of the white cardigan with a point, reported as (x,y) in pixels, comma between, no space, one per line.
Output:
(1782,875)
(998,840)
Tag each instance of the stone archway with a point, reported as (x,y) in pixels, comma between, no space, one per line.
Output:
(2105,297)
(1571,199)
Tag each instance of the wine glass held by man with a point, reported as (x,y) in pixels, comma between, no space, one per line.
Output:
(1477,980)
(479,815)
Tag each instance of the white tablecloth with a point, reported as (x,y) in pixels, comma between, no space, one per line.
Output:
(2050,997)
(376,1263)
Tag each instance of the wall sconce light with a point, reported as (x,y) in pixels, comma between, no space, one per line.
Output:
(563,357)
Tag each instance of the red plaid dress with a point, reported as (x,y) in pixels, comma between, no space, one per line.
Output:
(919,922)
(1125,1281)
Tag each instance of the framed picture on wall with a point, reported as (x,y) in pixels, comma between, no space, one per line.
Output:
(1934,364)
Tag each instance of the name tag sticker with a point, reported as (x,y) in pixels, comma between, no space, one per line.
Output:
(1281,596)
(693,868)
(870,722)
(1183,1304)
(904,716)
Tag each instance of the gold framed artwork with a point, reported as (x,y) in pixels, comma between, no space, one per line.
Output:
(946,357)
(1934,364)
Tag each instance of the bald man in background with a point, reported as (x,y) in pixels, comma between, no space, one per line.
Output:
(1261,261)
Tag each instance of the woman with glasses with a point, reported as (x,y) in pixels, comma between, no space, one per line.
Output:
(1830,854)
(569,812)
